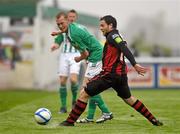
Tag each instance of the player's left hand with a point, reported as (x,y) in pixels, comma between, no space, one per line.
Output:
(140,69)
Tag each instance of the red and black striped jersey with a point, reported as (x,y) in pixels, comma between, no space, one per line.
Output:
(113,54)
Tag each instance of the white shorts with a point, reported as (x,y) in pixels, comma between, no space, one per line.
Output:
(93,69)
(67,64)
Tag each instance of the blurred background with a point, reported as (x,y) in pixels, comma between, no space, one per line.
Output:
(151,28)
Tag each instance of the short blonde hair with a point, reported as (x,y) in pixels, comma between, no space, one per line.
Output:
(61,14)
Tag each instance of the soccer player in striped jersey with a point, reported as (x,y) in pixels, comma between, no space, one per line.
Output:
(91,50)
(113,75)
(67,66)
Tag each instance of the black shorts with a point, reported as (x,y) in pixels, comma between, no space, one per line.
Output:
(102,82)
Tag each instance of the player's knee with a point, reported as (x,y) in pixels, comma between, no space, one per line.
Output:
(130,101)
(63,82)
(83,95)
(74,78)
(73,81)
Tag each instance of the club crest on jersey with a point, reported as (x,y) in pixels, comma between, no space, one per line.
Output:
(117,38)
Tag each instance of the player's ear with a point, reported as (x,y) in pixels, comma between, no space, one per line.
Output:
(110,26)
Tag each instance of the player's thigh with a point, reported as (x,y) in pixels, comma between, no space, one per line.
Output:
(75,67)
(121,87)
(63,69)
(63,80)
(97,86)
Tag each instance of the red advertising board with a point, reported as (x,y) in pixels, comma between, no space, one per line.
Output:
(169,75)
(136,80)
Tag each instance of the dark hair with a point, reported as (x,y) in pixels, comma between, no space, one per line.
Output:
(110,20)
(61,14)
(72,11)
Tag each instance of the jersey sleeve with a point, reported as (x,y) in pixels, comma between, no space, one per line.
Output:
(116,40)
(59,39)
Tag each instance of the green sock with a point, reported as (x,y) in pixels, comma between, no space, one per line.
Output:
(63,95)
(74,89)
(101,104)
(91,108)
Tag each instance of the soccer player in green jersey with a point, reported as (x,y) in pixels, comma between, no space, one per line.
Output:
(90,49)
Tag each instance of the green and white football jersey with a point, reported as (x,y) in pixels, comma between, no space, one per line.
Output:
(82,40)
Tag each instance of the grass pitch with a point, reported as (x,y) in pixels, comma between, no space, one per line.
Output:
(17,113)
